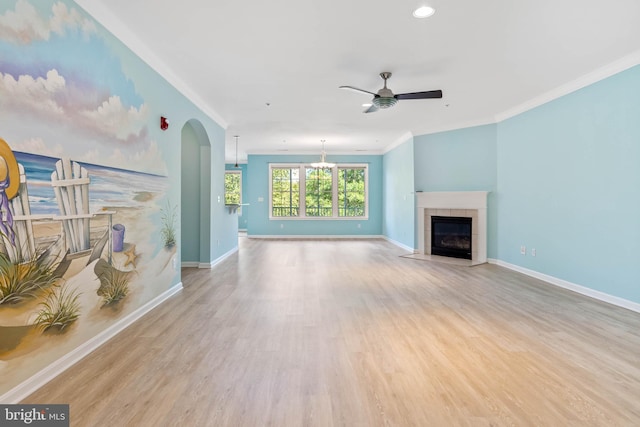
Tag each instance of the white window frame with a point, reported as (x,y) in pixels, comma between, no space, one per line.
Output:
(239,173)
(302,173)
(273,166)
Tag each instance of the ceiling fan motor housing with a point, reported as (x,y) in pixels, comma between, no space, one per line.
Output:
(385,98)
(384,101)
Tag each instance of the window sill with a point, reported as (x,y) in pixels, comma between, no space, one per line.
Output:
(320,218)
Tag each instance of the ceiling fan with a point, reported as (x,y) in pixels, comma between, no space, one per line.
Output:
(385,97)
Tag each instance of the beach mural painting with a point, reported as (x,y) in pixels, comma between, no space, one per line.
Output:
(87,229)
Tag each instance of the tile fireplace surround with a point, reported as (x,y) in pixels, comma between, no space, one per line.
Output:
(471,204)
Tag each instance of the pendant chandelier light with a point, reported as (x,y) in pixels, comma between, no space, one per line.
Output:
(322,163)
(236,137)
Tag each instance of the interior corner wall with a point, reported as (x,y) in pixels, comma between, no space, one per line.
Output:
(398,195)
(569,186)
(461,160)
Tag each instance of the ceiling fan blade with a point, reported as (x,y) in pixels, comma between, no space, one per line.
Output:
(355,89)
(420,95)
(371,109)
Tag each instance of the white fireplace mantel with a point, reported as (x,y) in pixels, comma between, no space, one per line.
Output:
(453,203)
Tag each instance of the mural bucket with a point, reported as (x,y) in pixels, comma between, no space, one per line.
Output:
(118,237)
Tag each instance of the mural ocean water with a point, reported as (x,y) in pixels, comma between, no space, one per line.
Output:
(83,249)
(110,187)
(88,280)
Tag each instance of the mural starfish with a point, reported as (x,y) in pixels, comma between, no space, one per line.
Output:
(131,256)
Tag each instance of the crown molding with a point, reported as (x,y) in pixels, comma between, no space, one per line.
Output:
(456,126)
(595,76)
(398,141)
(104,17)
(314,153)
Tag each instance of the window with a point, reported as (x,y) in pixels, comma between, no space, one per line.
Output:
(351,192)
(305,192)
(318,192)
(285,192)
(233,188)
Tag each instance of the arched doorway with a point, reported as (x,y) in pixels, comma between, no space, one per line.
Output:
(195,198)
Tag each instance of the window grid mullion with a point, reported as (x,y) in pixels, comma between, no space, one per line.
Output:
(334,191)
(302,190)
(338,187)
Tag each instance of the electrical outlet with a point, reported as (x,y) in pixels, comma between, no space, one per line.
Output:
(281,225)
(533,251)
(523,250)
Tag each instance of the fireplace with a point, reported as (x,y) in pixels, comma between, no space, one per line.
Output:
(465,204)
(451,236)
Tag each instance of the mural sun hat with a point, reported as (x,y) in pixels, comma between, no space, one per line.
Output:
(9,169)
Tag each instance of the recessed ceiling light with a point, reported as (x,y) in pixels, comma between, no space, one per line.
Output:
(366,105)
(424,12)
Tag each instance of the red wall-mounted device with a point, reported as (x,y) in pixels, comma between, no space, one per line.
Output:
(164,123)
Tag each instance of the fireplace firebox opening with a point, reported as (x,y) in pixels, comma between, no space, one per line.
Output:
(451,236)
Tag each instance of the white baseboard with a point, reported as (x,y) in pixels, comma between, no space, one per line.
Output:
(400,245)
(620,302)
(208,265)
(190,264)
(217,260)
(42,377)
(314,237)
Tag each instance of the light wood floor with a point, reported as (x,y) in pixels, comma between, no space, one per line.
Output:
(347,333)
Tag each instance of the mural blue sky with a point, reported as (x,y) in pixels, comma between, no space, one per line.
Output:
(87,108)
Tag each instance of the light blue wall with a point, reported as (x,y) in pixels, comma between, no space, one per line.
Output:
(398,194)
(164,99)
(569,186)
(243,213)
(460,160)
(224,226)
(190,204)
(100,67)
(258,187)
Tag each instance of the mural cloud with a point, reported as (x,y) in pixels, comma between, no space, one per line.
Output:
(52,97)
(38,93)
(25,25)
(37,145)
(148,159)
(113,118)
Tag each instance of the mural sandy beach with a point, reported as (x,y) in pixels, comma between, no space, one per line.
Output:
(86,233)
(142,261)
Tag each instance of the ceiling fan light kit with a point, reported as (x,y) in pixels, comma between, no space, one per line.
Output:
(385,98)
(236,165)
(381,102)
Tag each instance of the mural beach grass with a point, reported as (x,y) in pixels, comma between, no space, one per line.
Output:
(80,153)
(40,309)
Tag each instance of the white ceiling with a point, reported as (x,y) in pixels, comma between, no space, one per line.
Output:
(489,58)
